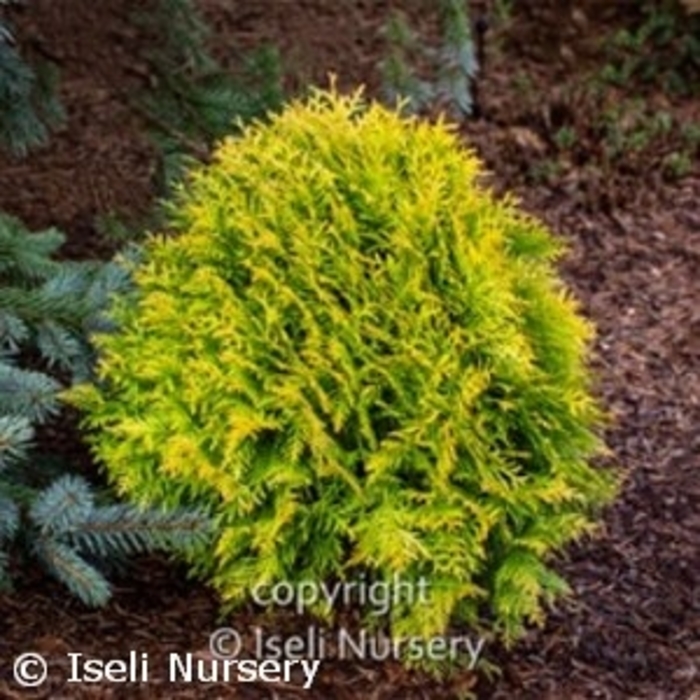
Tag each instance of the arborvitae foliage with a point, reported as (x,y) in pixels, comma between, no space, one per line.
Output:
(28,104)
(47,310)
(452,65)
(360,361)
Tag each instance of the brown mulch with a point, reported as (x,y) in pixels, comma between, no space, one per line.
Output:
(631,628)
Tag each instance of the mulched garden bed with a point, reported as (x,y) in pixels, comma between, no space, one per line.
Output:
(631,628)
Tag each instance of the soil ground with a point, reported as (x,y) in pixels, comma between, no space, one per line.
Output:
(631,628)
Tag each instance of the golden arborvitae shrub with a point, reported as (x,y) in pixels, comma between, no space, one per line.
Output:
(358,360)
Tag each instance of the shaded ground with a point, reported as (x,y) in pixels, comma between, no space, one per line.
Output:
(632,627)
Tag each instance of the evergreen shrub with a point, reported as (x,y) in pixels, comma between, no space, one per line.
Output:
(28,103)
(48,512)
(193,98)
(360,362)
(453,63)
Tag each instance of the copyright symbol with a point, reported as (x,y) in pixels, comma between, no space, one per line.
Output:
(30,670)
(225,643)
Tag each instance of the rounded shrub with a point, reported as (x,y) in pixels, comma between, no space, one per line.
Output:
(363,364)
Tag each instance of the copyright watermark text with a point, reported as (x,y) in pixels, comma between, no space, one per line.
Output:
(379,596)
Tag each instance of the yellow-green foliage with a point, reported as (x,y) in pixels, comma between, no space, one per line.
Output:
(359,360)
